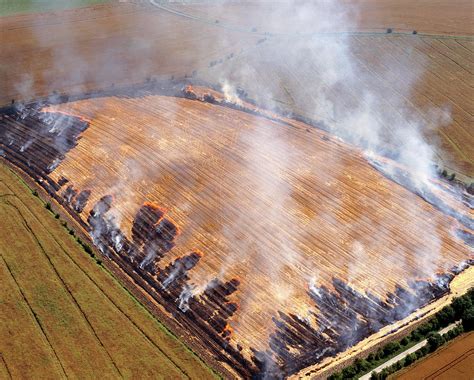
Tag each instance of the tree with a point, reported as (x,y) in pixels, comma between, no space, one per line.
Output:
(446,316)
(434,341)
(409,359)
(468,319)
(460,304)
(361,365)
(404,341)
(390,348)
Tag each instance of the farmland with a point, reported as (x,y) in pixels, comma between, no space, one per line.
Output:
(62,314)
(264,182)
(195,161)
(425,16)
(451,362)
(381,61)
(106,40)
(29,6)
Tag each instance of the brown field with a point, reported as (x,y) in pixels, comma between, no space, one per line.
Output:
(203,164)
(425,16)
(454,361)
(90,48)
(104,45)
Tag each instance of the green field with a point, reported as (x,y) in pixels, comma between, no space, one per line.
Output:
(9,7)
(62,314)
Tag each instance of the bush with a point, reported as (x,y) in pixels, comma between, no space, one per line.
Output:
(390,348)
(98,261)
(48,206)
(460,305)
(468,319)
(35,193)
(87,249)
(56,216)
(404,341)
(349,372)
(71,232)
(361,365)
(445,316)
(434,341)
(409,360)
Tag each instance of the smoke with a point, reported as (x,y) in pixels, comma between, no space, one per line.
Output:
(303,67)
(230,93)
(298,63)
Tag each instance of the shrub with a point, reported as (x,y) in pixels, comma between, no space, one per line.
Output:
(409,359)
(361,365)
(48,206)
(56,216)
(349,372)
(434,341)
(71,232)
(445,316)
(35,193)
(404,341)
(468,319)
(390,348)
(460,305)
(98,261)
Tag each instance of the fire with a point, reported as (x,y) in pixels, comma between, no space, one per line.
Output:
(69,113)
(155,207)
(198,253)
(228,331)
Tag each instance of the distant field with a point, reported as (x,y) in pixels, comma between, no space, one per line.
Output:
(454,361)
(10,7)
(63,315)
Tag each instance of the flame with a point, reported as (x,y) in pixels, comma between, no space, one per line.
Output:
(189,88)
(228,330)
(198,252)
(70,113)
(155,206)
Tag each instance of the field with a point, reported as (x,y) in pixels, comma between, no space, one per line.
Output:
(265,220)
(203,164)
(8,7)
(455,361)
(103,45)
(112,44)
(425,16)
(63,315)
